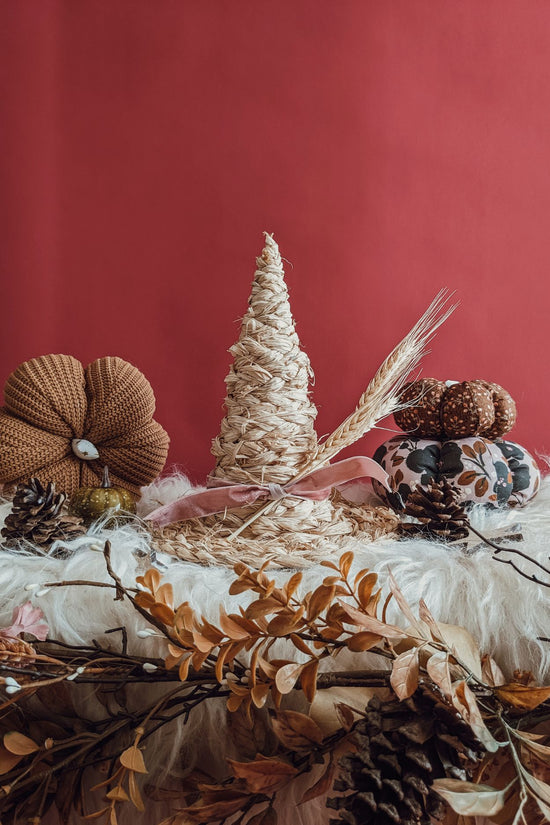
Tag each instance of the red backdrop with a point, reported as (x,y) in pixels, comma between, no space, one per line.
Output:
(392,147)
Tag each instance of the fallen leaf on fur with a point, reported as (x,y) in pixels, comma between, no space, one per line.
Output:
(405,607)
(19,744)
(469,799)
(360,619)
(132,758)
(427,617)
(521,696)
(404,675)
(263,775)
(296,730)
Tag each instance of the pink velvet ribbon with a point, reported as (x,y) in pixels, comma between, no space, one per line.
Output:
(223,495)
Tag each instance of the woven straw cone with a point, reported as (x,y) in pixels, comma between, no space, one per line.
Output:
(268,436)
(51,400)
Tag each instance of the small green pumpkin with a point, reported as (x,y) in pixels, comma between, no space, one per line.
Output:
(90,503)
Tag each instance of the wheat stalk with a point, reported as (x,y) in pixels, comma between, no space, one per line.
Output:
(381,398)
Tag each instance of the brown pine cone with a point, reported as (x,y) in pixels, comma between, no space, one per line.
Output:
(37,517)
(402,748)
(437,510)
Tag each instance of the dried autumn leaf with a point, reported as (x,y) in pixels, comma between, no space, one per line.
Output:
(96,814)
(360,619)
(132,758)
(263,775)
(365,588)
(439,672)
(263,607)
(231,629)
(322,786)
(470,799)
(320,600)
(118,794)
(308,679)
(8,760)
(296,730)
(162,612)
(465,703)
(540,790)
(151,579)
(521,696)
(287,676)
(344,563)
(133,790)
(405,672)
(530,741)
(19,744)
(363,640)
(427,618)
(491,674)
(404,606)
(259,694)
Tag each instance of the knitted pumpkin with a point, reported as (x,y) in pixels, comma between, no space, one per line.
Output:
(456,410)
(485,472)
(64,423)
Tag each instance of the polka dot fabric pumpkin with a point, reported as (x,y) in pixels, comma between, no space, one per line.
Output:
(456,409)
(495,473)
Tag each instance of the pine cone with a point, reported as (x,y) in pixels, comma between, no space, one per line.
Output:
(16,652)
(438,511)
(37,517)
(402,748)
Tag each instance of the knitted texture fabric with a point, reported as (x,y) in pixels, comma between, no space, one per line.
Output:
(51,400)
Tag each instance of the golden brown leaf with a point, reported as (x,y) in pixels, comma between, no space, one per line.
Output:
(404,606)
(133,790)
(118,794)
(344,563)
(465,703)
(263,775)
(162,612)
(365,588)
(284,623)
(322,786)
(522,696)
(360,619)
(296,730)
(363,640)
(405,672)
(259,694)
(319,601)
(151,579)
(132,758)
(19,744)
(491,674)
(287,676)
(8,760)
(263,607)
(308,679)
(439,672)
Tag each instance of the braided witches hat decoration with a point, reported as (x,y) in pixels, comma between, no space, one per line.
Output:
(63,423)
(271,494)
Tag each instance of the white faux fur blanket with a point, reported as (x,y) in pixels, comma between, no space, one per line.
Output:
(504,612)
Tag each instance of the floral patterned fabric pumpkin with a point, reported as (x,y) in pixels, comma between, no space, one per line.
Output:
(485,472)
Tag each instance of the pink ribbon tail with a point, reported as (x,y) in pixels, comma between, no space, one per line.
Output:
(317,486)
